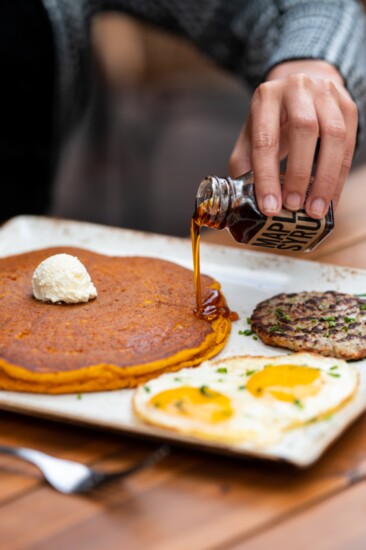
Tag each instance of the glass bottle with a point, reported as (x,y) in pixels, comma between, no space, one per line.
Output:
(231,203)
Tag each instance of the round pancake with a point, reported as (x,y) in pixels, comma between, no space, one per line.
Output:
(331,323)
(140,325)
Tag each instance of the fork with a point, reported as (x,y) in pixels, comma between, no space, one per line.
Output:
(69,477)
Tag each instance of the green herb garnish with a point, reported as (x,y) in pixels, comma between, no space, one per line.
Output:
(277,328)
(298,403)
(205,390)
(249,320)
(255,337)
(281,315)
(147,389)
(335,367)
(222,370)
(79,396)
(177,379)
(327,319)
(349,319)
(334,374)
(241,388)
(250,372)
(362,307)
(179,404)
(246,332)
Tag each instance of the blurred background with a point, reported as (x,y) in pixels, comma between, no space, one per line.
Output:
(166,117)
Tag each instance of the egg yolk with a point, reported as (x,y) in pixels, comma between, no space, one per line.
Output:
(285,382)
(202,403)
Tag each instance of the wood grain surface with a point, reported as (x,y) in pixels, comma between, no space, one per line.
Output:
(193,500)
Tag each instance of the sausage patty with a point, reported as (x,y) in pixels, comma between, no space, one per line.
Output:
(331,323)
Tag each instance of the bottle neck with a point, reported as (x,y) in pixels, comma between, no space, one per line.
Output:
(217,198)
(213,201)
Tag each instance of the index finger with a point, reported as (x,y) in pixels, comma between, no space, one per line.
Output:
(265,138)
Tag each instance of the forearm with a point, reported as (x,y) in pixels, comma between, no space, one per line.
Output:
(334,32)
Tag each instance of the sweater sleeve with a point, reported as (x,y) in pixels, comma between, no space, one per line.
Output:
(330,30)
(247,37)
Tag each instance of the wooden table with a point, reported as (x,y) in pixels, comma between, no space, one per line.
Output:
(193,500)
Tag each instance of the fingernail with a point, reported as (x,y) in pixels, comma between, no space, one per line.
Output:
(270,203)
(317,207)
(293,201)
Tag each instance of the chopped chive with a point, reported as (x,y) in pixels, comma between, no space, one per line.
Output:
(349,319)
(276,328)
(246,332)
(205,390)
(147,389)
(241,388)
(222,370)
(250,372)
(79,396)
(281,315)
(249,320)
(334,374)
(298,403)
(255,337)
(335,367)
(177,379)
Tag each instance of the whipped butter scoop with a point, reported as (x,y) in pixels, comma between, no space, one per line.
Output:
(62,278)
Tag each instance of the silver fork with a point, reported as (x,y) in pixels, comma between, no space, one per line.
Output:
(67,476)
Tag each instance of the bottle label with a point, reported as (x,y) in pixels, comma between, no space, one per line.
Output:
(292,231)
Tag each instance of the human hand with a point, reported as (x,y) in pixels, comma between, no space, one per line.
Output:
(300,102)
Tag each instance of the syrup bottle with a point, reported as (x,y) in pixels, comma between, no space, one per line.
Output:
(231,203)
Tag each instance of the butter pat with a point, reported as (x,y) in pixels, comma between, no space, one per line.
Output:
(62,278)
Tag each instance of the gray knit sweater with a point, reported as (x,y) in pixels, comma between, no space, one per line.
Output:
(247,37)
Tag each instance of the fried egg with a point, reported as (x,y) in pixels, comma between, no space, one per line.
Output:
(247,399)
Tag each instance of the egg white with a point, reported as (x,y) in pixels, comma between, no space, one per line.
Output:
(256,420)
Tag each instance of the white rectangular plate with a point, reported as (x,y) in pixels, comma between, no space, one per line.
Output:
(247,278)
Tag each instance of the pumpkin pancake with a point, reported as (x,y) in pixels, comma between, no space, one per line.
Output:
(141,324)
